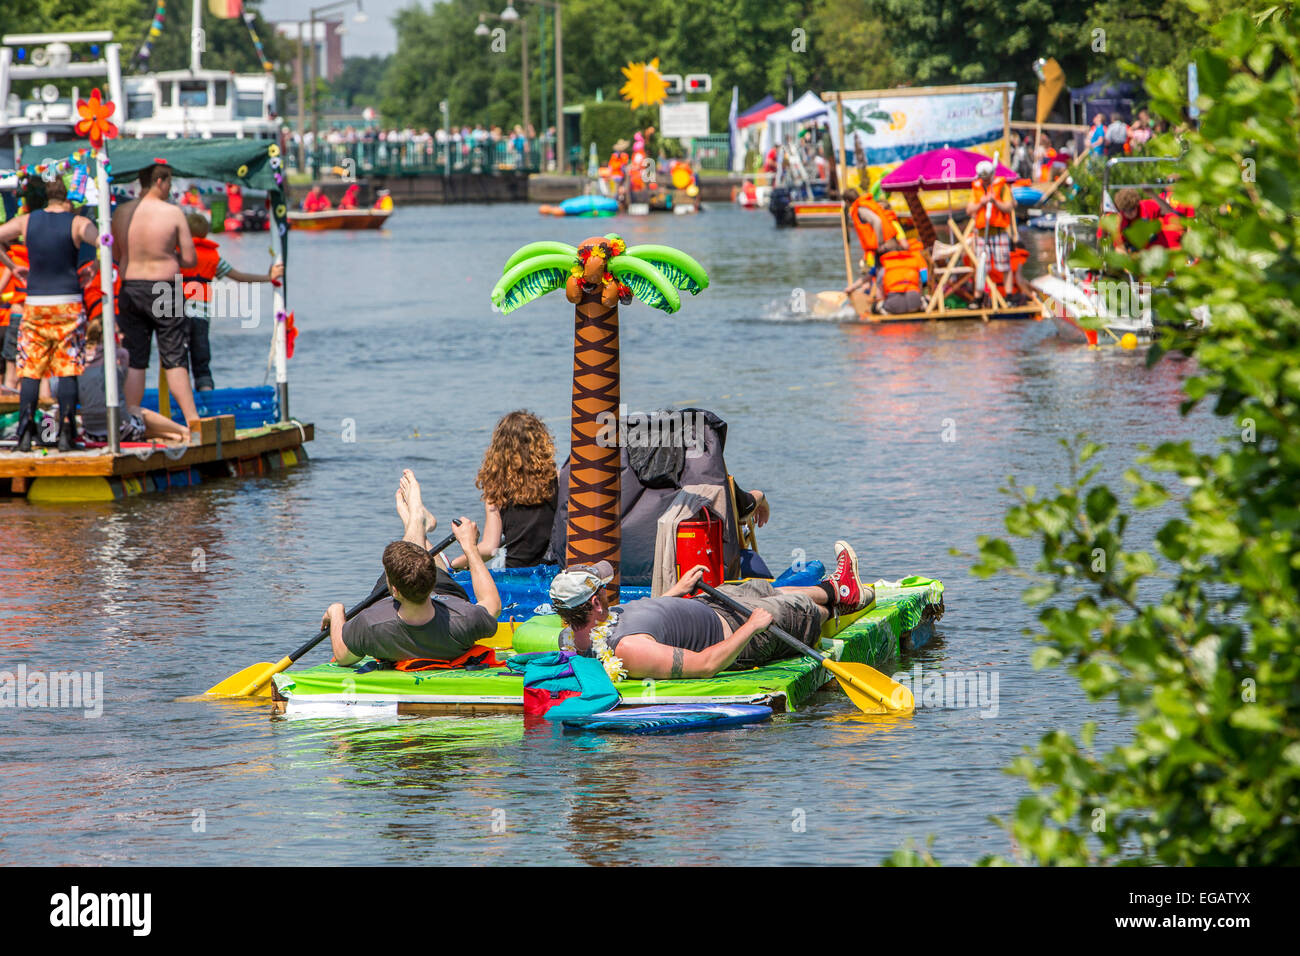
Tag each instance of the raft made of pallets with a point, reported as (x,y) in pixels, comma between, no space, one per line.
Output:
(903,615)
(98,475)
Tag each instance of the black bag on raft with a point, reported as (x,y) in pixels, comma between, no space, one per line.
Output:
(661,452)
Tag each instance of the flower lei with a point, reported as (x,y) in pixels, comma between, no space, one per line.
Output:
(599,647)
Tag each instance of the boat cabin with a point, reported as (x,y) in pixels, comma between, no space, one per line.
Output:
(201,104)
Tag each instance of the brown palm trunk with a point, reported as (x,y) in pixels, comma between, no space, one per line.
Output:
(594,487)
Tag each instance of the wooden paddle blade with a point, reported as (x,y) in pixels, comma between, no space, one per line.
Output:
(871,691)
(253,681)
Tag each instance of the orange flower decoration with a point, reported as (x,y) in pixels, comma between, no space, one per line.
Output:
(94,123)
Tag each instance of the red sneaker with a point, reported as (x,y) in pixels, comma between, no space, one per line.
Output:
(851,594)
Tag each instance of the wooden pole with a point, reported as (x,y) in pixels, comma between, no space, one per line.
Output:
(844,223)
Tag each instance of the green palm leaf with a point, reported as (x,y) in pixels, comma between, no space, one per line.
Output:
(647,283)
(531,279)
(676,266)
(545,247)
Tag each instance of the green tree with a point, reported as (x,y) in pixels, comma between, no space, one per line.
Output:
(360,80)
(1197,642)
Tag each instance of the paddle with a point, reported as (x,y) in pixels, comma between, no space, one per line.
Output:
(255,680)
(869,690)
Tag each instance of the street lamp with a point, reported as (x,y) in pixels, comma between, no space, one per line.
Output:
(561,159)
(509,15)
(360,17)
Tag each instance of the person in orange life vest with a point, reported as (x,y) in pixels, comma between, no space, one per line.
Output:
(13,294)
(1132,207)
(878,231)
(1019,256)
(992,206)
(349,200)
(198,293)
(903,274)
(190,199)
(384,202)
(316,201)
(429,615)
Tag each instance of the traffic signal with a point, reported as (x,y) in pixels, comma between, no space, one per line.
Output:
(699,83)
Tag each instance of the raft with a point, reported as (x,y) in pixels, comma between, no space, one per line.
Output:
(902,617)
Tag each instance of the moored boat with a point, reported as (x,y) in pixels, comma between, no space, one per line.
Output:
(339,219)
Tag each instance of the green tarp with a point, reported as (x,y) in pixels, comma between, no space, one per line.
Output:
(871,639)
(247,162)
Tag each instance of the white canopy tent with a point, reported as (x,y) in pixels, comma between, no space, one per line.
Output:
(808,107)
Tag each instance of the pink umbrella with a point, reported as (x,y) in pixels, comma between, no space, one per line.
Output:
(945,168)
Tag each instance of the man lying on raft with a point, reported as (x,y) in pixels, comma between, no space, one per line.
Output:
(670,637)
(430,615)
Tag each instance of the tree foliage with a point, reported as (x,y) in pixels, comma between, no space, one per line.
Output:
(1193,635)
(229,46)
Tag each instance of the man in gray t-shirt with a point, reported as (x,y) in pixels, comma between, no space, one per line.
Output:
(668,637)
(415,623)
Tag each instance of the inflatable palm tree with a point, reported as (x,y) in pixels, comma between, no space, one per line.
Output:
(596,277)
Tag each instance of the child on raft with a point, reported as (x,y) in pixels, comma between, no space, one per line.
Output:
(429,616)
(198,293)
(674,636)
(519,484)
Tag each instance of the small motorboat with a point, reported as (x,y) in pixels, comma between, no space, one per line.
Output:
(339,219)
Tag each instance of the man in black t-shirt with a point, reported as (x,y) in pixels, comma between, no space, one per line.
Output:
(417,623)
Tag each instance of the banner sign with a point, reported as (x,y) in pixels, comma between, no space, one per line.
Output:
(890,126)
(684,120)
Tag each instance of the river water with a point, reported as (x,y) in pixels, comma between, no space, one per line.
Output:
(895,438)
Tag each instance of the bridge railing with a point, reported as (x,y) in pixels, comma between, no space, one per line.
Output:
(425,158)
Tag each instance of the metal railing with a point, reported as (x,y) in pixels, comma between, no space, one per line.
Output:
(711,152)
(426,158)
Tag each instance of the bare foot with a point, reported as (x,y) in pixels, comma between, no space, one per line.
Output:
(430,522)
(402,511)
(183,438)
(413,499)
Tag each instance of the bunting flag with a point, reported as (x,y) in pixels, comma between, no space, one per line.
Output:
(155,30)
(257,41)
(226,9)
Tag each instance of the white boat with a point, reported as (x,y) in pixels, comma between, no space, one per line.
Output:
(201,104)
(32,110)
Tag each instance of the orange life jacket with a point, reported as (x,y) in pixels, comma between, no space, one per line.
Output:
(198,281)
(996,217)
(92,290)
(15,290)
(480,655)
(866,234)
(901,271)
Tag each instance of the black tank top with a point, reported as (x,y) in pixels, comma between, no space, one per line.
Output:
(526,533)
(53,254)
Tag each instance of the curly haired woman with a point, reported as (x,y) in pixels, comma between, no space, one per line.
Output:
(519,483)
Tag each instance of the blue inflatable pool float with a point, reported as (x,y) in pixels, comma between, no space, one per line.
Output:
(590,206)
(1027,195)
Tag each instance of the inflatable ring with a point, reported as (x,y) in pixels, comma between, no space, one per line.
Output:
(241,172)
(273,150)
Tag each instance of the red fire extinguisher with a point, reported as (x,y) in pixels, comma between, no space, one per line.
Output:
(699,541)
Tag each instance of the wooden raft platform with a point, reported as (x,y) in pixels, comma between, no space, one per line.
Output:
(949,315)
(98,475)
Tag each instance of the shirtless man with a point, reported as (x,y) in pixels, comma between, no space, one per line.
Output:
(151,244)
(668,637)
